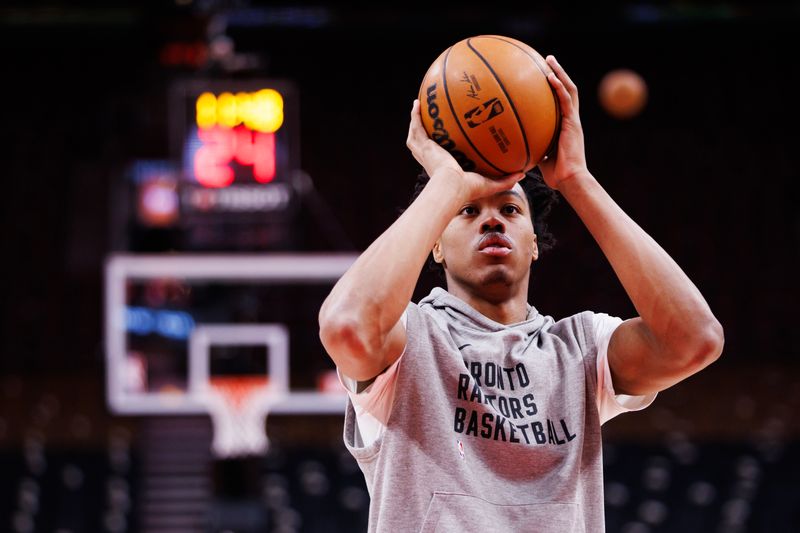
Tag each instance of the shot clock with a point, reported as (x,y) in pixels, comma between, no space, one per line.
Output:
(234,132)
(236,128)
(237,141)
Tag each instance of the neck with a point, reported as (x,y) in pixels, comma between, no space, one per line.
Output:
(505,305)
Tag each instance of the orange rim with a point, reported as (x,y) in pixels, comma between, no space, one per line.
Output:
(235,389)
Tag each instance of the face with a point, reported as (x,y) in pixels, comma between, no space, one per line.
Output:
(489,244)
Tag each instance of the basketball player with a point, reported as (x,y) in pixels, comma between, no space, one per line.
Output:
(471,411)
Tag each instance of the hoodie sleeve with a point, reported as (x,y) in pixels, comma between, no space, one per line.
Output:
(372,400)
(609,403)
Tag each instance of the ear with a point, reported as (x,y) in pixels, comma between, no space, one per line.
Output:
(437,252)
(535,254)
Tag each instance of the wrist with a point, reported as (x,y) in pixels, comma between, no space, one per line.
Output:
(449,183)
(578,180)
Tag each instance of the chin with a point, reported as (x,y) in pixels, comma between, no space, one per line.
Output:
(497,277)
(494,283)
(496,289)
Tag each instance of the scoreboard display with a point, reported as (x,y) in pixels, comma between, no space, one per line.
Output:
(237,141)
(235,129)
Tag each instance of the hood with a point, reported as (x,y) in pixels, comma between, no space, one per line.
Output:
(466,316)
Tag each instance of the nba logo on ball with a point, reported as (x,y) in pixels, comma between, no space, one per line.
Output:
(487,101)
(483,112)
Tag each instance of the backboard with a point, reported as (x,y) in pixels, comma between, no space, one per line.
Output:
(175,322)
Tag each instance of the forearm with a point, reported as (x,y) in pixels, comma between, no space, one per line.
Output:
(376,289)
(665,298)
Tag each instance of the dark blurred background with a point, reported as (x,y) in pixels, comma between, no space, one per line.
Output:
(708,168)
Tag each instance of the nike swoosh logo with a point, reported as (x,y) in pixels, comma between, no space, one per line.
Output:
(462,347)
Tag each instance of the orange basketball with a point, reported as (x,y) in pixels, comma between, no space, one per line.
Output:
(487,101)
(622,93)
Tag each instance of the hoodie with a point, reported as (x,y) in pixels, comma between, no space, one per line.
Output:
(493,427)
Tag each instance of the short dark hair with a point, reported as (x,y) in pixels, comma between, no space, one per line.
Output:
(541,200)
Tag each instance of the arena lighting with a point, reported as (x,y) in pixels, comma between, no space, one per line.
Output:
(158,203)
(170,324)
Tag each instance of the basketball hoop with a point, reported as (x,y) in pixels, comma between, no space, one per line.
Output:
(239,406)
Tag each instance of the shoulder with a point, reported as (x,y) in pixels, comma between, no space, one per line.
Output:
(425,317)
(589,329)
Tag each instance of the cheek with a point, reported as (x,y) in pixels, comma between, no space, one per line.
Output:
(453,243)
(528,239)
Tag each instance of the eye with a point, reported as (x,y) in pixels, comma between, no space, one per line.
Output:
(511,209)
(468,210)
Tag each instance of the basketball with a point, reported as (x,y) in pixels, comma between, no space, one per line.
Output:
(487,101)
(622,93)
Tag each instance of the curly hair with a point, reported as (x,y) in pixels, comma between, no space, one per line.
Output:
(541,199)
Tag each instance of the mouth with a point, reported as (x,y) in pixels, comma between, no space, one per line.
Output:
(495,244)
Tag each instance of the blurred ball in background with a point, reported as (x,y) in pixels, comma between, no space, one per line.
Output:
(622,93)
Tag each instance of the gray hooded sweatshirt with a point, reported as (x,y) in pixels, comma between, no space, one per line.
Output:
(493,427)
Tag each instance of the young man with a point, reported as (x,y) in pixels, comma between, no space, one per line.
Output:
(471,411)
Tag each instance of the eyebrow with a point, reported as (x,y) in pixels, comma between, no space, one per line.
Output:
(513,193)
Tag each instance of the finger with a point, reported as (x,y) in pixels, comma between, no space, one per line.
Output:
(513,177)
(560,72)
(546,164)
(563,76)
(507,182)
(415,124)
(564,98)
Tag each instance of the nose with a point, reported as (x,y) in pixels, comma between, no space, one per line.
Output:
(492,224)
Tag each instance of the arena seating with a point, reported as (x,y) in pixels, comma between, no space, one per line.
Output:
(68,466)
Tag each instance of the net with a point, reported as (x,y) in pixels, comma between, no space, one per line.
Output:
(239,406)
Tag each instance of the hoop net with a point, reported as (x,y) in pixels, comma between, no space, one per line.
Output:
(239,406)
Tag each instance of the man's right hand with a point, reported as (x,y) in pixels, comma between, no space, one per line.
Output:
(360,323)
(440,164)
